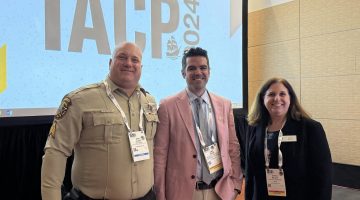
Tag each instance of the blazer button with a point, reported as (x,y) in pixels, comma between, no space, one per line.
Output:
(192,176)
(194,156)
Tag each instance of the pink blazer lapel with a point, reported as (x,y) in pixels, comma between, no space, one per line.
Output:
(184,109)
(218,108)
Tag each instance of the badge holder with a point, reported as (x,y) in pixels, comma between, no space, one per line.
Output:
(139,146)
(213,158)
(275,182)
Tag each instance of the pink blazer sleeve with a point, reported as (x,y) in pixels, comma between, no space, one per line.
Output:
(161,152)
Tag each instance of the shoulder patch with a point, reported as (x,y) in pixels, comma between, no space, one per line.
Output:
(53,129)
(65,104)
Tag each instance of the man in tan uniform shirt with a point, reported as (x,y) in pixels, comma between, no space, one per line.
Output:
(96,127)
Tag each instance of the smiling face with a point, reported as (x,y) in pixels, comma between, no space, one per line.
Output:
(125,66)
(277,100)
(196,74)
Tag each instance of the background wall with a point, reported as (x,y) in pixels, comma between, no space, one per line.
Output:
(315,45)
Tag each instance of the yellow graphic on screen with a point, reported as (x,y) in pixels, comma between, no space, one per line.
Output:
(2,68)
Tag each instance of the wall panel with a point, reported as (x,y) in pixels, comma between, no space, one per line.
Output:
(344,140)
(315,44)
(319,17)
(336,54)
(274,24)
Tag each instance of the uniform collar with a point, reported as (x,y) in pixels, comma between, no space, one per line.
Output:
(113,87)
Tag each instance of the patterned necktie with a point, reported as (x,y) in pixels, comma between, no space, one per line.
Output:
(202,119)
(197,110)
(203,125)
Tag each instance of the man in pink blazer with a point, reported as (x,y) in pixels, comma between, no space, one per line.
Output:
(196,156)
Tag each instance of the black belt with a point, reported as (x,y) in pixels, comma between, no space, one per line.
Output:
(148,196)
(76,194)
(201,185)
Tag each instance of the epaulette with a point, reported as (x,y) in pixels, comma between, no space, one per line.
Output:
(144,91)
(149,98)
(83,88)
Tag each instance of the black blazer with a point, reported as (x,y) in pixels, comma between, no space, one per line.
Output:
(307,162)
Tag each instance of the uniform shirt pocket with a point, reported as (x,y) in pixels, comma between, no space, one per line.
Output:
(102,127)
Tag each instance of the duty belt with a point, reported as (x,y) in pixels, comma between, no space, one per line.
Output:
(76,194)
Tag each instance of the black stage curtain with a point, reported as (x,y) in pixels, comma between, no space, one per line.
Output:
(21,151)
(241,125)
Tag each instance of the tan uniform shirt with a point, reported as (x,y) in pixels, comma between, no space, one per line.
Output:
(88,122)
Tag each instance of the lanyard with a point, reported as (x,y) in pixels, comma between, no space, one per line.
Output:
(267,152)
(112,98)
(210,122)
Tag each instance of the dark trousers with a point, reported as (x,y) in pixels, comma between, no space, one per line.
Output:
(76,194)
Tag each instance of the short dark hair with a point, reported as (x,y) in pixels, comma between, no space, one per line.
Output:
(194,51)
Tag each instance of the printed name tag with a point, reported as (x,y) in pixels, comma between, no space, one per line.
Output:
(213,158)
(139,146)
(275,183)
(289,138)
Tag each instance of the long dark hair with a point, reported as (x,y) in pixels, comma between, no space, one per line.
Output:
(258,112)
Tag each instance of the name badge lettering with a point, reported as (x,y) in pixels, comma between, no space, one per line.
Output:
(139,146)
(213,158)
(275,182)
(289,138)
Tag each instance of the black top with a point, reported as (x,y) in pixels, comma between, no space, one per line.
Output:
(307,162)
(272,142)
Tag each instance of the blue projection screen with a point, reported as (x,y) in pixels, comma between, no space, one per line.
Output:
(51,47)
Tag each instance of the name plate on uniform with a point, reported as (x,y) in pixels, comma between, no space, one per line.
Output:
(289,138)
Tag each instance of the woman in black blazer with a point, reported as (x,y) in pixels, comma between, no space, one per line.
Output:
(302,169)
